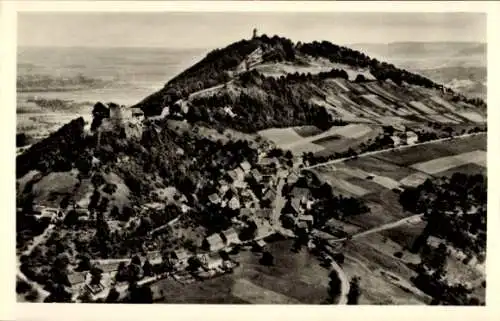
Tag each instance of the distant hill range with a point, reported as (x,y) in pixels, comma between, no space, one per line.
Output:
(459,65)
(416,50)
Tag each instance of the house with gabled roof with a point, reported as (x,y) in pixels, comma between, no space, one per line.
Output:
(214,242)
(240,174)
(411,138)
(292,178)
(179,258)
(230,236)
(256,175)
(309,219)
(214,198)
(211,261)
(396,141)
(77,279)
(246,167)
(296,205)
(303,225)
(234,203)
(232,176)
(260,244)
(269,195)
(301,193)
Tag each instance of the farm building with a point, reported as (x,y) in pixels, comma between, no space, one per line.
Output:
(214,242)
(301,193)
(396,141)
(411,138)
(211,261)
(230,236)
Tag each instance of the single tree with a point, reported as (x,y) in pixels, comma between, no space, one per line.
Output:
(113,295)
(354,291)
(147,268)
(334,287)
(96,275)
(267,259)
(84,264)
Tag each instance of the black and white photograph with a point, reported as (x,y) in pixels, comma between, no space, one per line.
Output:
(276,158)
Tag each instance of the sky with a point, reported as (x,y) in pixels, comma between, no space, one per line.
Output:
(211,30)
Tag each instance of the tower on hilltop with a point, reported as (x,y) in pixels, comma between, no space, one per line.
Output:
(254,33)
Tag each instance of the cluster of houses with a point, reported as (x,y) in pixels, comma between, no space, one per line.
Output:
(218,241)
(300,201)
(41,212)
(233,190)
(402,136)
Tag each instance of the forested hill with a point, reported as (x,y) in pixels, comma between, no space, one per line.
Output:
(275,82)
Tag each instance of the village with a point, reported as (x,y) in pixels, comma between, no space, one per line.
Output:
(255,194)
(258,219)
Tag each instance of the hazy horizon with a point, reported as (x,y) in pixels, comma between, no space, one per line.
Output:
(201,48)
(196,30)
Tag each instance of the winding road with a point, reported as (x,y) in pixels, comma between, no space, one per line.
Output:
(36,241)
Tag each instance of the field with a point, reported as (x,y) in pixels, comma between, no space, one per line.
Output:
(294,279)
(443,164)
(418,105)
(51,188)
(373,178)
(373,264)
(473,116)
(311,139)
(380,167)
(470,169)
(427,152)
(414,179)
